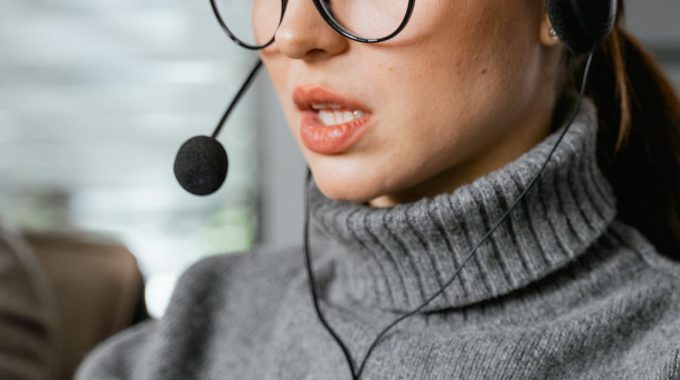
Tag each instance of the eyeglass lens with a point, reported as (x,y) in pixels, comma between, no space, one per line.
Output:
(255,22)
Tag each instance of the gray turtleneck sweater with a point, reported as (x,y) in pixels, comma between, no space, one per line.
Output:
(562,290)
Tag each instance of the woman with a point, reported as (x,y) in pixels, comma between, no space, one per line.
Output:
(452,117)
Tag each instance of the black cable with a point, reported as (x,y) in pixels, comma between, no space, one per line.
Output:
(311,284)
(238,97)
(345,350)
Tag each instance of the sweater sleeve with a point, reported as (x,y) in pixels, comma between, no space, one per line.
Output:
(119,356)
(163,348)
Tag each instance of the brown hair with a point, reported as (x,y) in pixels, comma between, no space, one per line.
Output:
(639,135)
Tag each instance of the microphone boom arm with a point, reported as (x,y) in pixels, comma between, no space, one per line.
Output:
(238,96)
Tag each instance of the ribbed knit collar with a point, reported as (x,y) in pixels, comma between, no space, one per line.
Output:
(394,258)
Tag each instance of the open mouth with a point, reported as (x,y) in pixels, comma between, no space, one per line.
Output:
(330,123)
(334,114)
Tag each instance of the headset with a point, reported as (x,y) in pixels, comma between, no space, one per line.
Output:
(201,164)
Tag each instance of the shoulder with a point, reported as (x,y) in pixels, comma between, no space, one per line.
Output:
(219,281)
(271,263)
(657,269)
(656,291)
(215,299)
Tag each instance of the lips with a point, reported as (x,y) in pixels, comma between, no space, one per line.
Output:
(305,96)
(330,123)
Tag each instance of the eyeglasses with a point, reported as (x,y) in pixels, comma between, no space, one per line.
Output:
(252,24)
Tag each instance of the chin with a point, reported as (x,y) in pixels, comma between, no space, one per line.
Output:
(358,188)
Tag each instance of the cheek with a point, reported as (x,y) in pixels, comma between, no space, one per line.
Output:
(437,98)
(464,76)
(446,107)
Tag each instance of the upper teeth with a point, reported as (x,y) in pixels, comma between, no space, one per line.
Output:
(330,115)
(322,106)
(338,117)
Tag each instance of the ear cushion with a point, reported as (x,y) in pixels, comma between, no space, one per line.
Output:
(581,24)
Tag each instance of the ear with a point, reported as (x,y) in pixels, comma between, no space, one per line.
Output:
(545,37)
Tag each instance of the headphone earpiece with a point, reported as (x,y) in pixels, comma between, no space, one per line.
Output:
(582,24)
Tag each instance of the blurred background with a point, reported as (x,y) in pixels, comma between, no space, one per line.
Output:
(97,96)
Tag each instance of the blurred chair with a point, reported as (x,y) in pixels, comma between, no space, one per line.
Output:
(97,286)
(28,330)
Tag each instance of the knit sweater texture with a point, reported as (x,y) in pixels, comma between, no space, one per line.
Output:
(562,290)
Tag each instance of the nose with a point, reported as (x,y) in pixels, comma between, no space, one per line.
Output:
(303,33)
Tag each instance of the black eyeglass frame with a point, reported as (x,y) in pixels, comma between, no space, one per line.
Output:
(326,14)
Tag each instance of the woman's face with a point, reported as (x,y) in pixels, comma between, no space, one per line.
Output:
(464,89)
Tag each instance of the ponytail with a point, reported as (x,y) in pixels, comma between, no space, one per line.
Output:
(639,136)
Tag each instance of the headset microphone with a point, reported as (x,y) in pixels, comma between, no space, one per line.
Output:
(201,164)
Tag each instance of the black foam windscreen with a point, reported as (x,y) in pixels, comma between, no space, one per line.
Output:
(582,24)
(201,165)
